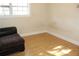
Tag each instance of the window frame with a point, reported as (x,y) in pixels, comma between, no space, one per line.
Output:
(28,12)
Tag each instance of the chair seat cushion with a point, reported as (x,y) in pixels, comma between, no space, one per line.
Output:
(10,41)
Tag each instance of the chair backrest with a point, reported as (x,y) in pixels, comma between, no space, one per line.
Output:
(7,31)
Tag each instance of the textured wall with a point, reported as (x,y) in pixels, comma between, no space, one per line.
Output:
(35,22)
(65,19)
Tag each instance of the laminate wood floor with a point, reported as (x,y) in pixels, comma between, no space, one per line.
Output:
(45,44)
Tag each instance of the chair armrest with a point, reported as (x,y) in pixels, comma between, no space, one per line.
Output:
(7,31)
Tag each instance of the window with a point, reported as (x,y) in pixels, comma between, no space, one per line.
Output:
(14,7)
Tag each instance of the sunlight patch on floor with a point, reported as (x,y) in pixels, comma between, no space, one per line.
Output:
(40,54)
(59,51)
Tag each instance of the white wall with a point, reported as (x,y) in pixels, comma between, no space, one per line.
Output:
(65,20)
(61,19)
(28,24)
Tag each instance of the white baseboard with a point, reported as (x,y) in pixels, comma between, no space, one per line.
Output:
(65,37)
(32,33)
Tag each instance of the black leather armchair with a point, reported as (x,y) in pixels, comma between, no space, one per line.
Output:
(10,41)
